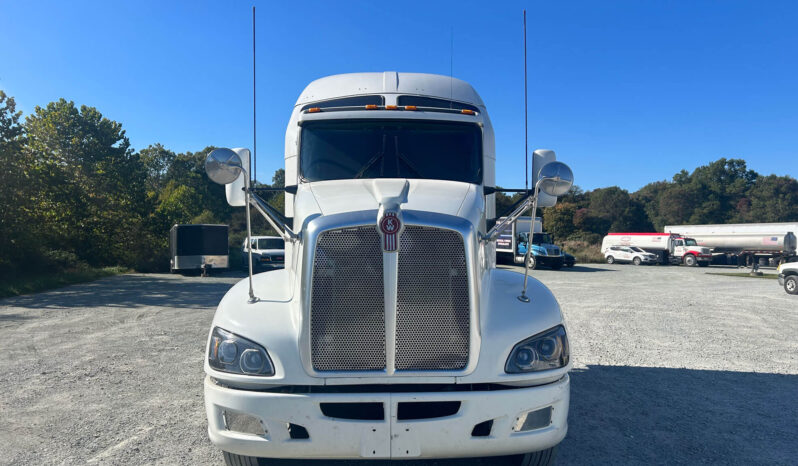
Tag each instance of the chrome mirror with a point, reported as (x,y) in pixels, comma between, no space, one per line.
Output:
(223,166)
(555,178)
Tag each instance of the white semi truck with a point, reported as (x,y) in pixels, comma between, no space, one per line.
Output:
(754,240)
(670,248)
(389,333)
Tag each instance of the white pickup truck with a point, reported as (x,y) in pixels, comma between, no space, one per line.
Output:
(389,333)
(788,276)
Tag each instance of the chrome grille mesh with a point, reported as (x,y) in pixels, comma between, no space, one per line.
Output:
(347,316)
(432,309)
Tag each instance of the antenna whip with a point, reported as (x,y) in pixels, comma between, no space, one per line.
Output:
(254,125)
(526,131)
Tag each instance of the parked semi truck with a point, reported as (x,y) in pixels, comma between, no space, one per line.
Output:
(671,249)
(389,333)
(514,239)
(750,240)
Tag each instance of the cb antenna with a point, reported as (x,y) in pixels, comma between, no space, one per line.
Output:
(451,67)
(526,130)
(254,112)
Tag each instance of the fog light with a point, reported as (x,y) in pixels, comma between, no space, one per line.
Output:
(243,423)
(532,420)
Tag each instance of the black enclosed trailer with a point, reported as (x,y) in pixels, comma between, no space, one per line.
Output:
(198,247)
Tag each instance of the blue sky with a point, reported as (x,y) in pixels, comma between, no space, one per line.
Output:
(626,92)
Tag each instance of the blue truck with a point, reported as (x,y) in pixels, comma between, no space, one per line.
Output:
(514,239)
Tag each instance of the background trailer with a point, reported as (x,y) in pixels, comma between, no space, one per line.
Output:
(194,247)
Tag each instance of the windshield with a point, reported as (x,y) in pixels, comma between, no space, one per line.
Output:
(637,249)
(690,242)
(271,243)
(541,238)
(338,150)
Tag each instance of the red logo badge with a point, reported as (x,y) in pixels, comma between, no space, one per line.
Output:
(390,225)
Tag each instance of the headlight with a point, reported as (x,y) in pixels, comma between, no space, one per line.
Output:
(229,352)
(547,350)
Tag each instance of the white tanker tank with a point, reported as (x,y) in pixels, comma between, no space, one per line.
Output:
(777,239)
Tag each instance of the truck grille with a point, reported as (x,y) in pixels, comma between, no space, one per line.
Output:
(432,306)
(347,312)
(347,316)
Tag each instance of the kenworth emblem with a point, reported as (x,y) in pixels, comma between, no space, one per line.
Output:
(389,217)
(390,226)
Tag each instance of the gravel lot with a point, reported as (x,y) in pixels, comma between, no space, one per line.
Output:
(672,366)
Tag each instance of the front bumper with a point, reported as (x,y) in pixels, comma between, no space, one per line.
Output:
(781,279)
(445,437)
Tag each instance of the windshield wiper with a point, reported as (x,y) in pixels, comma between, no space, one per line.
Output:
(373,160)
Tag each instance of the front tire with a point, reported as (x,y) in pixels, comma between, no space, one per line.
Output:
(531,262)
(610,260)
(539,458)
(791,284)
(636,261)
(231,459)
(689,260)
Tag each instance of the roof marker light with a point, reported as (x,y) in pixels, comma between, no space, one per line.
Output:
(314,110)
(371,107)
(410,107)
(391,107)
(466,111)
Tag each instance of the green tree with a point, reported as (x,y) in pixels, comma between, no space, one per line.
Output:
(90,185)
(15,234)
(156,160)
(772,199)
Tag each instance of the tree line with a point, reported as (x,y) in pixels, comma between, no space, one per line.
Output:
(723,191)
(75,193)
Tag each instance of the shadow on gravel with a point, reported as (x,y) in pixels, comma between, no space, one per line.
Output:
(643,415)
(131,291)
(648,415)
(579,268)
(576,268)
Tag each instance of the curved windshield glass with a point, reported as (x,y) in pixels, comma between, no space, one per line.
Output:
(350,149)
(541,238)
(690,242)
(270,243)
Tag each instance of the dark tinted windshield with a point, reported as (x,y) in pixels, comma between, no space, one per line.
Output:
(270,243)
(690,242)
(336,150)
(541,238)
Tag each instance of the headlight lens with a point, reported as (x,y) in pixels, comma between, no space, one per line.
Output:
(547,350)
(229,352)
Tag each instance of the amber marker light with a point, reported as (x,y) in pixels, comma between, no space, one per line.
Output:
(410,107)
(371,107)
(466,111)
(314,110)
(391,107)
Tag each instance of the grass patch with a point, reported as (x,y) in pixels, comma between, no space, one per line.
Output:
(48,281)
(584,252)
(771,276)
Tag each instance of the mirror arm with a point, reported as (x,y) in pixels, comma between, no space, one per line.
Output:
(275,218)
(521,207)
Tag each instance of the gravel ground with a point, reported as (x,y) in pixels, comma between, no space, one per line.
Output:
(671,366)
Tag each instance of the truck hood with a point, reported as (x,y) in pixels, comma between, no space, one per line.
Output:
(340,196)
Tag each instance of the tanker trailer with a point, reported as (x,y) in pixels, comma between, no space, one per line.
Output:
(750,240)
